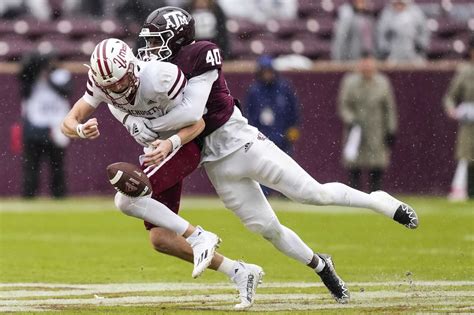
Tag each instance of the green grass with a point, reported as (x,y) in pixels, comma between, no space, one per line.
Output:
(88,241)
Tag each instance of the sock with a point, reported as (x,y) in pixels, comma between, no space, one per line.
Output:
(317,263)
(320,266)
(196,232)
(227,267)
(343,195)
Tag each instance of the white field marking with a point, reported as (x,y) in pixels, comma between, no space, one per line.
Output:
(469,237)
(265,302)
(358,298)
(167,286)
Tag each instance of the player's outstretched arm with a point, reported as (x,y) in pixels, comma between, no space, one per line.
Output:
(165,147)
(191,109)
(72,125)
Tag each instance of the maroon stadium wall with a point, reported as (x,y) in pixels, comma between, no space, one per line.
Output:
(422,163)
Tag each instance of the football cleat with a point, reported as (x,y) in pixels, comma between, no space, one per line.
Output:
(407,216)
(204,246)
(332,281)
(404,214)
(246,279)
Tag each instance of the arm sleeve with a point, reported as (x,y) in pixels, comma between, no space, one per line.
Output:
(117,113)
(191,109)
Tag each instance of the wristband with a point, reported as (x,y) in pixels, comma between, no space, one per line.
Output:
(175,142)
(80,132)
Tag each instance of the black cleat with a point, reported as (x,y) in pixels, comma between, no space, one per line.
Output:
(332,281)
(407,216)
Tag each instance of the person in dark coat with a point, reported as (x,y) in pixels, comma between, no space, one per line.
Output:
(43,89)
(272,106)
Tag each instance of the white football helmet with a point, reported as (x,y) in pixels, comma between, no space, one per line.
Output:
(113,62)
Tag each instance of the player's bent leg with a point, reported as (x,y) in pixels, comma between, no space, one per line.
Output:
(169,243)
(245,198)
(278,171)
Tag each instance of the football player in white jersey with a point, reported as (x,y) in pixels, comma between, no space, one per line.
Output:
(237,157)
(136,90)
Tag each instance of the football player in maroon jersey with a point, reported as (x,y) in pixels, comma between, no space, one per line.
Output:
(237,157)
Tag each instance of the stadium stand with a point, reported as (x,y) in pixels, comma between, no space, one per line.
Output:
(451,24)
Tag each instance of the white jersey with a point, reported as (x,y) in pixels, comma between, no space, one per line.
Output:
(227,139)
(159,90)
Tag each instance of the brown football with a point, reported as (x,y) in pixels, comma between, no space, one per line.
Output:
(129,179)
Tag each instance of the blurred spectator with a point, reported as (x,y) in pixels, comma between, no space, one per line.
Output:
(210,23)
(402,34)
(260,11)
(272,107)
(459,105)
(368,111)
(40,9)
(354,31)
(43,91)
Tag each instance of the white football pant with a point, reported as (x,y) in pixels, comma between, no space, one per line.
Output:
(236,179)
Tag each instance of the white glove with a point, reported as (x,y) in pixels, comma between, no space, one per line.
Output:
(140,129)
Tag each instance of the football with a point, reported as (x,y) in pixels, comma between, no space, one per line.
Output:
(129,179)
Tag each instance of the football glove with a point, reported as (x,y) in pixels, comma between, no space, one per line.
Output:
(140,129)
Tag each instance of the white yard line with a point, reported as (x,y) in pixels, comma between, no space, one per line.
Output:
(13,297)
(191,286)
(357,298)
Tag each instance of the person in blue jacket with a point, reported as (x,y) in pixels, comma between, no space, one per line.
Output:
(272,106)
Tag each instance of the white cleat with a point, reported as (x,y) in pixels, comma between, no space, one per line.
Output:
(204,246)
(247,277)
(402,213)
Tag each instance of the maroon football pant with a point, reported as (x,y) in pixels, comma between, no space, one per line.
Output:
(167,182)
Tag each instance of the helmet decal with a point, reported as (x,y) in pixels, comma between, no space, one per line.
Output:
(175,19)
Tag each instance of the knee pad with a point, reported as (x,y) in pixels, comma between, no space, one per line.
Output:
(270,171)
(230,199)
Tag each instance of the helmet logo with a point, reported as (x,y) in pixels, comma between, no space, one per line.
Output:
(175,19)
(120,58)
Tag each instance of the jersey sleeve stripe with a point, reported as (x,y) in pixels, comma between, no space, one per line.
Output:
(178,79)
(179,90)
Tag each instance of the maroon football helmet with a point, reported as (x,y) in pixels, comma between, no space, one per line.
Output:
(165,31)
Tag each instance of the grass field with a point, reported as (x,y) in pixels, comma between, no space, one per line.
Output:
(81,256)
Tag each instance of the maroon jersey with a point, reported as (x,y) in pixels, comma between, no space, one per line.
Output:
(196,59)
